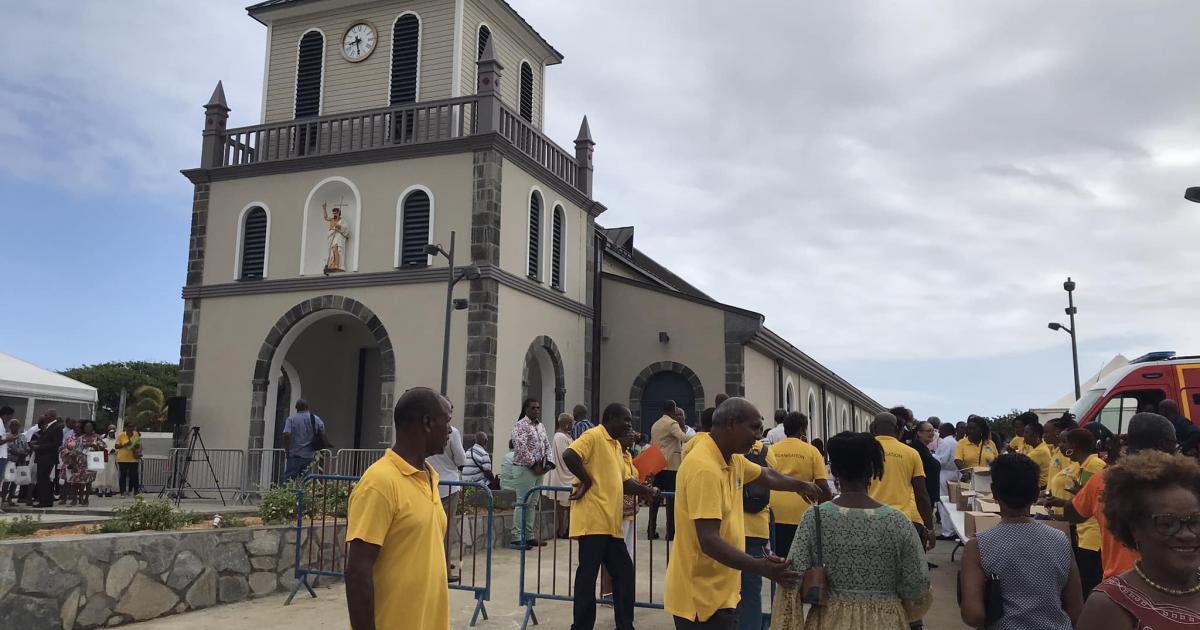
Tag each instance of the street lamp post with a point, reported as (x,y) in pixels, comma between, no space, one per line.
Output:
(470,272)
(1069,287)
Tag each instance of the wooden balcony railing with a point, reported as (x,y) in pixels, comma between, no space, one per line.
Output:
(429,121)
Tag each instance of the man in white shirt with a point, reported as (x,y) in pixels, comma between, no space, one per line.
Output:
(945,456)
(479,461)
(447,464)
(776,434)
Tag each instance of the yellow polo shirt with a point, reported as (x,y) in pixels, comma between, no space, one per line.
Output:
(124,446)
(758,524)
(1057,459)
(972,455)
(1017,444)
(398,508)
(688,445)
(901,464)
(1087,532)
(600,511)
(708,487)
(799,459)
(1042,456)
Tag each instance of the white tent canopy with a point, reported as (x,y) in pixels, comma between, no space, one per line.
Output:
(1056,408)
(22,380)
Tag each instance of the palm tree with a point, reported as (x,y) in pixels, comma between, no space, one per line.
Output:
(149,408)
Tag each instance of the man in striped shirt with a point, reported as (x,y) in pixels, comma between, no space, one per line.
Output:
(581,421)
(479,461)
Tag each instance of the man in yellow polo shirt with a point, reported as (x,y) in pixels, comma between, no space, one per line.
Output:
(396,563)
(795,458)
(903,483)
(703,573)
(597,519)
(1037,450)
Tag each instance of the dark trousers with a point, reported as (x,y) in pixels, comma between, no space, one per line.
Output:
(664,480)
(749,609)
(45,483)
(127,476)
(1091,569)
(610,552)
(784,535)
(724,619)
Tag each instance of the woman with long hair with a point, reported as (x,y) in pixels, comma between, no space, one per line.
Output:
(874,561)
(1152,504)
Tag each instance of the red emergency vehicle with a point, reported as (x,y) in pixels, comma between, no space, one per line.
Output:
(1140,386)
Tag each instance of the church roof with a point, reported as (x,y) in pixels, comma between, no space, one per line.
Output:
(271,4)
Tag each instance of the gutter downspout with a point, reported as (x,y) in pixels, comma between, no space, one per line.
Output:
(597,321)
(779,401)
(825,413)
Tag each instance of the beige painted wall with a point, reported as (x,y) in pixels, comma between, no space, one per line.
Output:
(634,317)
(760,384)
(364,85)
(509,50)
(380,187)
(232,330)
(617,267)
(523,318)
(514,231)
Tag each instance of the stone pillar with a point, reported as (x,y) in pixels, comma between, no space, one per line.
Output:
(585,148)
(487,88)
(190,334)
(739,329)
(483,312)
(216,115)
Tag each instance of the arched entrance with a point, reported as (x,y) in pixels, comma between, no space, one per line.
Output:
(658,382)
(335,353)
(544,380)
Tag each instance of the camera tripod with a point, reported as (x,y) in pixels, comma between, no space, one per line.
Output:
(179,472)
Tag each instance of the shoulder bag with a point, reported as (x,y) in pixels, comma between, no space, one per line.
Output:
(993,596)
(318,437)
(814,587)
(755,497)
(493,482)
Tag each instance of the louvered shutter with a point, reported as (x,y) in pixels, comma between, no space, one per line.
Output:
(526,92)
(535,232)
(406,35)
(309,65)
(414,234)
(254,244)
(485,35)
(556,249)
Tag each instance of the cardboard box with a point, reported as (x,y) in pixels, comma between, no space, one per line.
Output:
(983,504)
(954,489)
(965,499)
(981,479)
(1062,526)
(980,522)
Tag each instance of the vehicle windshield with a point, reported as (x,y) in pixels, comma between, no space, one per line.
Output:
(1085,403)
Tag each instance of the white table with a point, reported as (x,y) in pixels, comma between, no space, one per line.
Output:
(959,521)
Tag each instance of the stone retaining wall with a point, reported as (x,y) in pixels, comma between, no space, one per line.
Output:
(110,579)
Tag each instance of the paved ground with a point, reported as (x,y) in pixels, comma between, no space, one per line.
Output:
(328,610)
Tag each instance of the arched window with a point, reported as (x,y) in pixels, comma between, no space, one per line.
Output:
(846,420)
(829,417)
(535,236)
(790,398)
(406,58)
(557,244)
(526,91)
(482,38)
(310,65)
(415,213)
(813,421)
(252,263)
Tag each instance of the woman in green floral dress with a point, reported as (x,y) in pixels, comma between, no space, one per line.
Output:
(874,561)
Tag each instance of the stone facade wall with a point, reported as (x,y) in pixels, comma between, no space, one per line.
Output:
(110,579)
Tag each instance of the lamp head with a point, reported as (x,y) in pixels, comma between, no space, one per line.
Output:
(1069,285)
(1192,194)
(471,272)
(432,250)
(1054,326)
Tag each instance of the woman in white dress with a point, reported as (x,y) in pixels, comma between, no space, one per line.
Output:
(560,476)
(106,480)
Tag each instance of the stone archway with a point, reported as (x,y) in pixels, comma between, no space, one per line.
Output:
(643,378)
(541,349)
(286,328)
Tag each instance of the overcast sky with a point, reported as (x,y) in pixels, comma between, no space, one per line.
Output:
(900,187)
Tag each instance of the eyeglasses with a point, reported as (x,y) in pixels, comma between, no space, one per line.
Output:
(1170,524)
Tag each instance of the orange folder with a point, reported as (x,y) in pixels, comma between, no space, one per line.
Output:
(650,461)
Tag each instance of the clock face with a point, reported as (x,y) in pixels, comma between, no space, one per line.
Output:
(359,42)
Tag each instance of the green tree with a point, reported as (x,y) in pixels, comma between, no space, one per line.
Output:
(1002,426)
(149,408)
(109,378)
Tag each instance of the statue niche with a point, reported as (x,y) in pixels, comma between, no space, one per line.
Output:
(339,237)
(332,225)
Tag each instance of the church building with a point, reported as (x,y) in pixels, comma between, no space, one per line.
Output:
(395,135)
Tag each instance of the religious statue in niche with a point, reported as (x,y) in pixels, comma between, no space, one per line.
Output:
(339,236)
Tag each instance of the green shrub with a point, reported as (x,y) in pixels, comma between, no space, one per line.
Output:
(278,506)
(149,515)
(330,499)
(232,521)
(111,526)
(23,526)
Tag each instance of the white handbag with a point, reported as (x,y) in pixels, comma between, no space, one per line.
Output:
(24,476)
(95,460)
(10,473)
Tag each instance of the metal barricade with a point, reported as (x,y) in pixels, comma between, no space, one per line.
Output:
(210,470)
(557,583)
(155,472)
(322,505)
(354,462)
(264,468)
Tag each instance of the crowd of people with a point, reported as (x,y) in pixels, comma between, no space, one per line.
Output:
(49,461)
(848,554)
